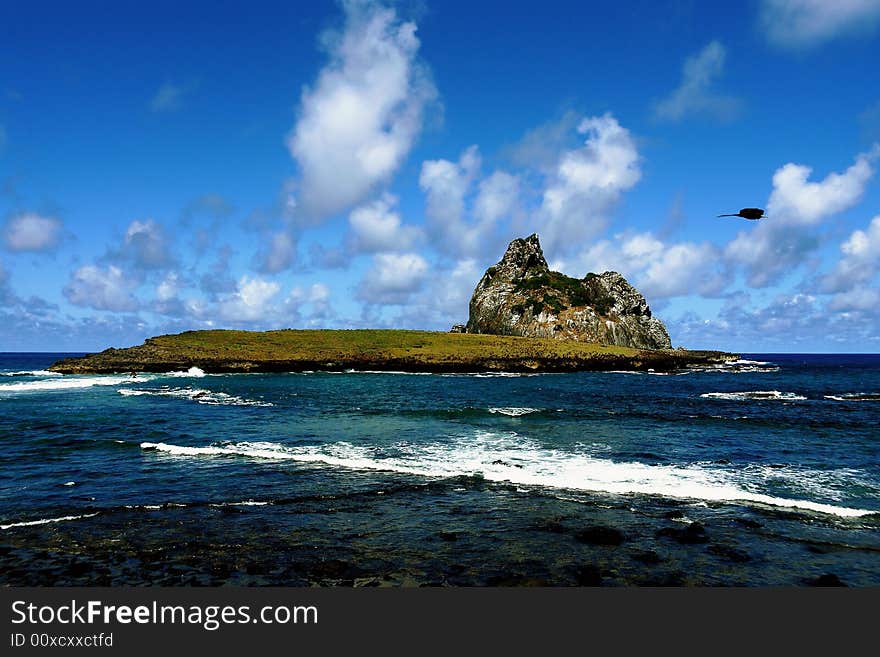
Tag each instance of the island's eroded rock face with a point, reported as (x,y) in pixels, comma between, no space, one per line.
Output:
(521,296)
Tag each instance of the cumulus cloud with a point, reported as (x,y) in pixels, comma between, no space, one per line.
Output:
(360,119)
(144,246)
(169,97)
(279,254)
(796,200)
(251,301)
(859,262)
(806,23)
(376,226)
(32,232)
(393,278)
(659,270)
(463,214)
(695,95)
(586,183)
(784,238)
(101,288)
(317,298)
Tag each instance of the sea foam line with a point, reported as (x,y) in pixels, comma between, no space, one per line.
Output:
(198,395)
(510,458)
(46,521)
(755,395)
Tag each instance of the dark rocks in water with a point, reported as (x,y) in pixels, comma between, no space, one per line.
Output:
(521,296)
(693,533)
(729,553)
(509,465)
(828,579)
(748,523)
(449,537)
(553,525)
(600,535)
(675,514)
(588,575)
(647,556)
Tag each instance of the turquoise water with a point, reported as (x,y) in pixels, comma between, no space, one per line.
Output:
(763,472)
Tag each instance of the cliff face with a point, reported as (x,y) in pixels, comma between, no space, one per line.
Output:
(521,296)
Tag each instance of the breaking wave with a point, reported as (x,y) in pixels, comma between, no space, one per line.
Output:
(514,411)
(65,383)
(755,395)
(46,521)
(197,395)
(512,459)
(855,397)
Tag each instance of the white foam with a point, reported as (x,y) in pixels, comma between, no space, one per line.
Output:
(245,503)
(31,373)
(66,383)
(198,395)
(69,483)
(194,372)
(755,395)
(511,458)
(855,397)
(514,411)
(46,521)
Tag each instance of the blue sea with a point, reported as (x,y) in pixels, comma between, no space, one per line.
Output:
(763,472)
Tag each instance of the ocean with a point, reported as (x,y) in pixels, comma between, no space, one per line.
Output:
(763,472)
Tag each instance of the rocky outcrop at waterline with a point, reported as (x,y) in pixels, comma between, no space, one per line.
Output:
(521,296)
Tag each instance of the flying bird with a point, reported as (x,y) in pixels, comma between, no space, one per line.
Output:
(746,213)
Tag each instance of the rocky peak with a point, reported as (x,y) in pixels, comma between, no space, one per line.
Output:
(521,296)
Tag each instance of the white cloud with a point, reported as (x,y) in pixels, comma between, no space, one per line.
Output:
(251,301)
(146,245)
(446,184)
(360,119)
(318,296)
(782,241)
(657,269)
(695,96)
(280,254)
(860,260)
(168,288)
(32,232)
(805,23)
(866,299)
(796,200)
(376,227)
(586,183)
(460,223)
(100,288)
(497,197)
(393,278)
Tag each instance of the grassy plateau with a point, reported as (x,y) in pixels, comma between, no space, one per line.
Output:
(337,350)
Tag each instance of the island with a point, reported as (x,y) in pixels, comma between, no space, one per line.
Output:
(523,318)
(219,351)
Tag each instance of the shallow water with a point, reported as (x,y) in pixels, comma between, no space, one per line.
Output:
(762,472)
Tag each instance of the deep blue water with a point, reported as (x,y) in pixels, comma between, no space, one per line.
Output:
(772,465)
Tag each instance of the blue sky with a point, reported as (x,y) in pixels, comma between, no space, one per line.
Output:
(359,164)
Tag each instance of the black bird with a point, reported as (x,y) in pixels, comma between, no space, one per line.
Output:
(746,213)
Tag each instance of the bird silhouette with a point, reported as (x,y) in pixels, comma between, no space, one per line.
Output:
(747,213)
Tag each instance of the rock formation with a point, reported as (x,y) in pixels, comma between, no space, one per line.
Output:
(521,296)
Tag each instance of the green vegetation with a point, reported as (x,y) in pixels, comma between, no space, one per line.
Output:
(290,350)
(588,291)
